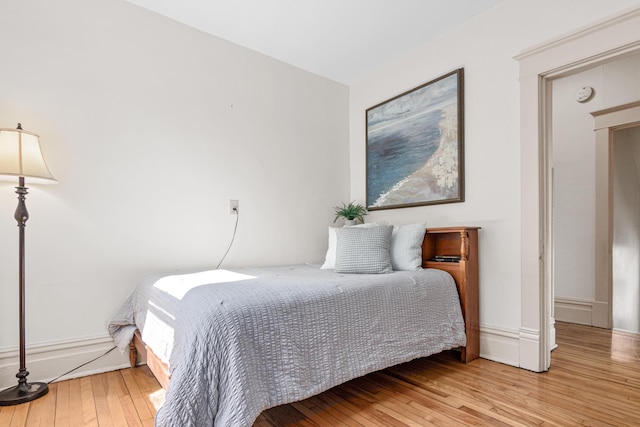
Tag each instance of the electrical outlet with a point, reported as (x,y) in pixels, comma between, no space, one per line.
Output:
(234,206)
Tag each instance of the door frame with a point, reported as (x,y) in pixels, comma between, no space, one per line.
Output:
(606,122)
(601,42)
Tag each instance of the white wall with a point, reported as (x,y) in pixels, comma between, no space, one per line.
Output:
(150,128)
(626,230)
(574,161)
(485,47)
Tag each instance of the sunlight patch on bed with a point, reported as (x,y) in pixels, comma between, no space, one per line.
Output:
(155,308)
(178,285)
(157,331)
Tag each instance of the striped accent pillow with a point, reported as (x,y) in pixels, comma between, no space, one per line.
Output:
(363,250)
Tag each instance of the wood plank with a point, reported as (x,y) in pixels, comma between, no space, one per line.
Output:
(320,412)
(153,391)
(445,408)
(63,405)
(594,380)
(6,415)
(20,415)
(89,413)
(346,413)
(288,415)
(119,401)
(100,400)
(140,402)
(76,415)
(43,410)
(590,383)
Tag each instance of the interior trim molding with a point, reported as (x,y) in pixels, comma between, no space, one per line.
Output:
(530,342)
(500,345)
(607,121)
(615,121)
(579,33)
(601,41)
(49,360)
(574,310)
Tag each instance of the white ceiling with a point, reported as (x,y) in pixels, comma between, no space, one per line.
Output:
(343,40)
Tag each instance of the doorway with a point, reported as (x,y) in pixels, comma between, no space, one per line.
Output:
(626,230)
(616,189)
(582,190)
(609,39)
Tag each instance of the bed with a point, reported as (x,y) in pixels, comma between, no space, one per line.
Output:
(242,341)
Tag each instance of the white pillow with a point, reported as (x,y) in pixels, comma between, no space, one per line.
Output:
(363,250)
(406,246)
(330,257)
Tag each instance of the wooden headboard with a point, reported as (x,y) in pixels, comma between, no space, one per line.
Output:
(460,242)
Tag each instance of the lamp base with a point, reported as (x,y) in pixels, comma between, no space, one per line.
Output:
(15,396)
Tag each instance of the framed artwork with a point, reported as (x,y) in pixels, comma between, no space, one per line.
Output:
(415,146)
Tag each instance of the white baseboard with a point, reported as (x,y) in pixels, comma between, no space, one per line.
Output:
(530,343)
(601,315)
(47,361)
(500,345)
(552,334)
(573,310)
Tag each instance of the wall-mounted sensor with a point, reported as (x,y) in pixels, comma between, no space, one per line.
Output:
(584,94)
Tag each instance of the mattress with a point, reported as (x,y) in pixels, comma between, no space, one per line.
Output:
(243,340)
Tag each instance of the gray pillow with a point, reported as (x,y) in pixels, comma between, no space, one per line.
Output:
(363,250)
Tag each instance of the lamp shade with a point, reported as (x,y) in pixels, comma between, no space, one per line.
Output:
(20,156)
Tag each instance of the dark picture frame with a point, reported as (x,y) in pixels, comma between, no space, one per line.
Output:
(415,146)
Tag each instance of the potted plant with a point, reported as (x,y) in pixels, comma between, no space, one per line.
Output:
(352,213)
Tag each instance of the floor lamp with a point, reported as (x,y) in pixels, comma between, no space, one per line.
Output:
(20,159)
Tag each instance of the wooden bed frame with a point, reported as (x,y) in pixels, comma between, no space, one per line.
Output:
(450,241)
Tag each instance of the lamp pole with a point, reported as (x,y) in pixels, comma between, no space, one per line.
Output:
(24,391)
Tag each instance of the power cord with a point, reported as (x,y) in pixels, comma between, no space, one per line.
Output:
(84,364)
(232,237)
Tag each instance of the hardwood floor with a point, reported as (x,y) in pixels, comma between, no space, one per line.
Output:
(129,397)
(594,380)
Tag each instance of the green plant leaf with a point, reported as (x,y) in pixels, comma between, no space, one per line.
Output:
(350,211)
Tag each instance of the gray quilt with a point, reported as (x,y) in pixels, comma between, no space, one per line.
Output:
(243,341)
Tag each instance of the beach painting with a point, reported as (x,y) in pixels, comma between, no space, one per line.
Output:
(415,146)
